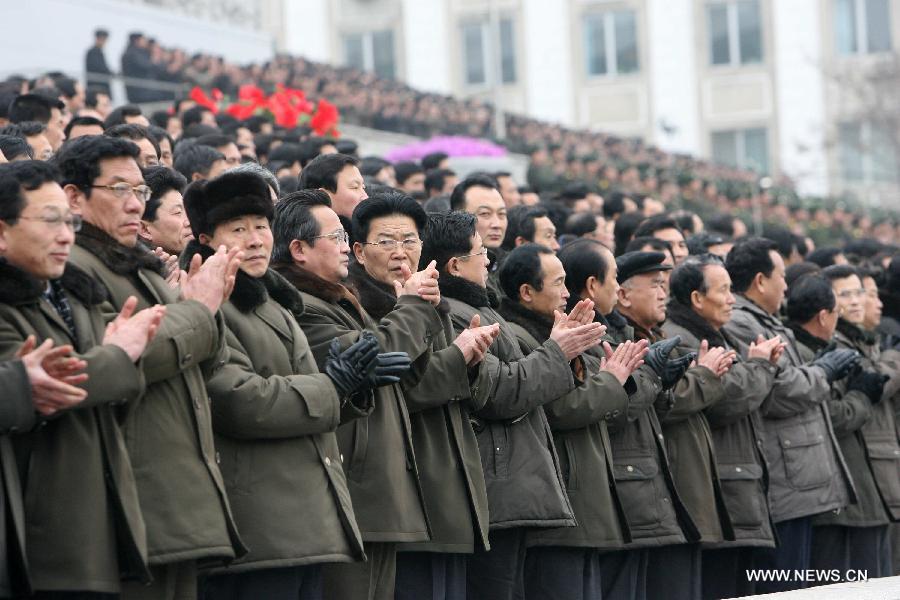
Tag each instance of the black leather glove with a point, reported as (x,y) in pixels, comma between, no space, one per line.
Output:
(389,367)
(658,354)
(351,369)
(837,363)
(870,383)
(675,369)
(826,349)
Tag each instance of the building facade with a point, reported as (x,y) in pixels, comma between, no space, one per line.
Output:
(768,85)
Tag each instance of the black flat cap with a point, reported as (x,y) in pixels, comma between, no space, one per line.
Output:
(635,263)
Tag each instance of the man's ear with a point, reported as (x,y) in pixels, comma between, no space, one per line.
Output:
(4,230)
(696,299)
(453,266)
(298,249)
(759,282)
(520,240)
(76,198)
(145,231)
(526,293)
(622,294)
(358,253)
(204,239)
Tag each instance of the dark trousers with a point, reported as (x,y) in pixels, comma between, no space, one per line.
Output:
(858,548)
(498,574)
(430,576)
(792,553)
(623,575)
(370,580)
(725,573)
(174,581)
(288,583)
(562,573)
(673,572)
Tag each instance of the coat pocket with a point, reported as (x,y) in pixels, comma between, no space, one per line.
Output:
(884,456)
(637,488)
(806,459)
(568,462)
(743,493)
(356,467)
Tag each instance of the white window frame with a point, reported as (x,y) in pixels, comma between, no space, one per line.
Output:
(492,72)
(867,156)
(740,144)
(861,16)
(368,47)
(734,35)
(609,44)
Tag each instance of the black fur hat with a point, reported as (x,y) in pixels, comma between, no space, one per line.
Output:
(230,195)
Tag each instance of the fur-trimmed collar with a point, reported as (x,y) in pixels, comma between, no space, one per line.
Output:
(119,259)
(537,325)
(18,287)
(464,290)
(652,335)
(307,281)
(806,338)
(251,292)
(687,317)
(857,334)
(376,297)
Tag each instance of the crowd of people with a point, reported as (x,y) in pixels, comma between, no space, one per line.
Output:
(243,362)
(566,156)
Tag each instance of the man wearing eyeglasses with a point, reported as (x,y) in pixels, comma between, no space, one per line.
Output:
(310,251)
(80,520)
(389,227)
(167,428)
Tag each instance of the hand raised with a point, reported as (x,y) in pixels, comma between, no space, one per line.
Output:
(211,282)
(48,394)
(575,340)
(422,283)
(623,361)
(132,332)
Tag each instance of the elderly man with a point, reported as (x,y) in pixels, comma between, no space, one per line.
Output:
(164,223)
(565,563)
(310,250)
(727,430)
(167,429)
(807,472)
(674,570)
(82,522)
(524,484)
(273,409)
(858,537)
(390,227)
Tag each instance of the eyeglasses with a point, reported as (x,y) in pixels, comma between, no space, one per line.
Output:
(339,236)
(73,222)
(391,245)
(482,252)
(848,294)
(123,190)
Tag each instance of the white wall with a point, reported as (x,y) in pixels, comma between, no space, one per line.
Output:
(42,35)
(306,29)
(800,93)
(673,75)
(547,71)
(426,46)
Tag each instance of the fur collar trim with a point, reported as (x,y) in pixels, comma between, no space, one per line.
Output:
(537,325)
(377,298)
(18,287)
(119,259)
(688,318)
(806,338)
(307,281)
(464,290)
(251,292)
(857,334)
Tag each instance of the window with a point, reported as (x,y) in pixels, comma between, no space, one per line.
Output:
(477,52)
(610,43)
(735,32)
(862,26)
(866,153)
(371,51)
(742,148)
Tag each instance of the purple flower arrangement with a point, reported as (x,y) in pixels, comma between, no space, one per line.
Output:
(452,145)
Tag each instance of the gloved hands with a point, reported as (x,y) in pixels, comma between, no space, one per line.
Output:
(389,367)
(837,363)
(669,370)
(870,383)
(351,369)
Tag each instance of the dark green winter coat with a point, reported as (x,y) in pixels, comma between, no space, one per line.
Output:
(445,445)
(168,429)
(579,423)
(377,451)
(83,526)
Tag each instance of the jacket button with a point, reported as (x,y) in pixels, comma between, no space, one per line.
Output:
(660,436)
(218,459)
(787,442)
(197,403)
(186,359)
(738,469)
(607,416)
(616,413)
(629,468)
(896,452)
(342,458)
(327,461)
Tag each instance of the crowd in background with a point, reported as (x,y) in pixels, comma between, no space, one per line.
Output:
(342,377)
